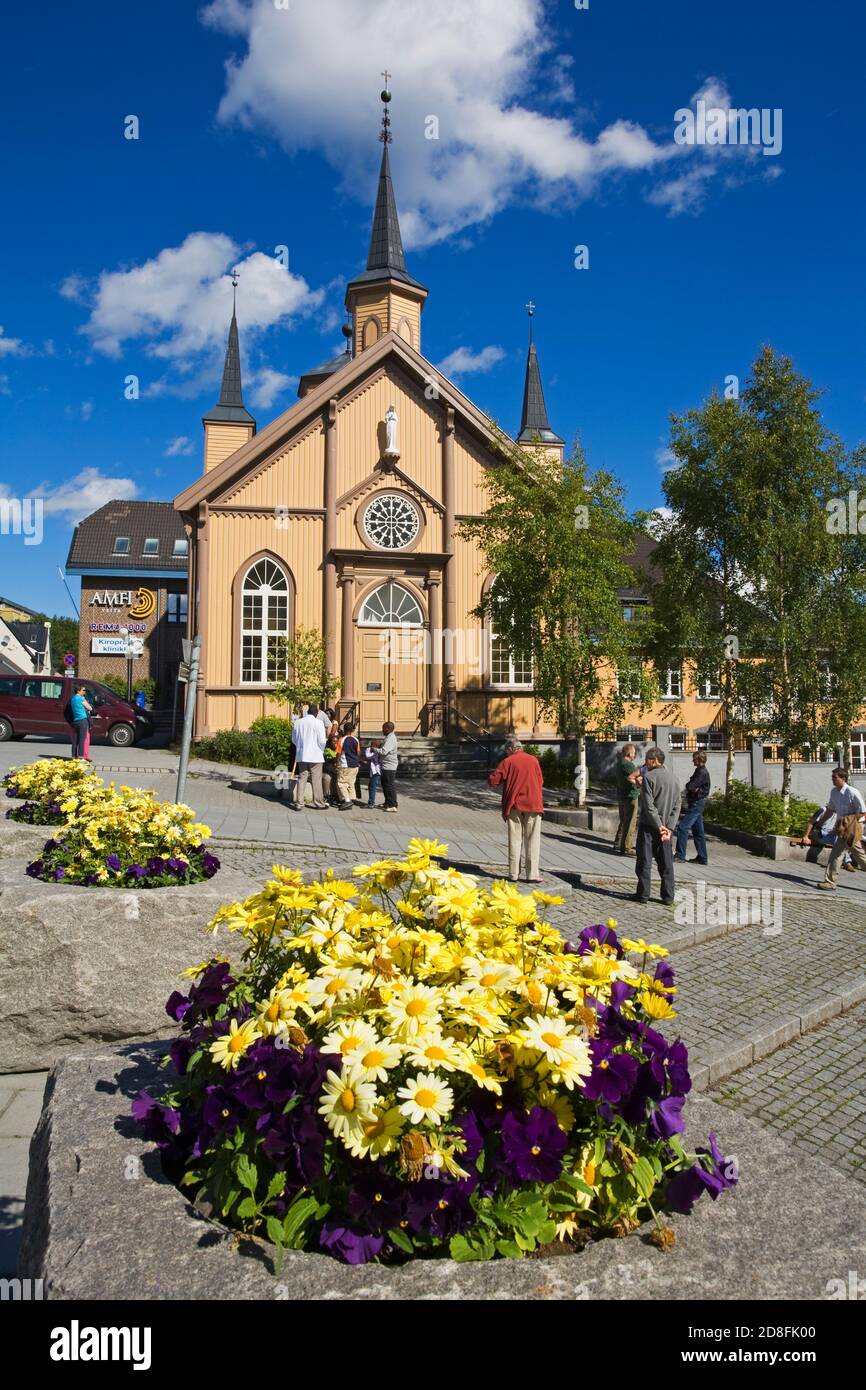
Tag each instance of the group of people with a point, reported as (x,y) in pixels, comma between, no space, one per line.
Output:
(330,758)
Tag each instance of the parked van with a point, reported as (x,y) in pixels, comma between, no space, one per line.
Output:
(35,705)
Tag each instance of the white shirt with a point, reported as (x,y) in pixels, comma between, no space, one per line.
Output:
(309,738)
(846,801)
(326,720)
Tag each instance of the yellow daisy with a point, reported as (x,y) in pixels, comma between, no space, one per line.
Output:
(229,1049)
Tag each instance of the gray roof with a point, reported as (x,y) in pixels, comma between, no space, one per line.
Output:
(533,421)
(385,259)
(231,406)
(324,369)
(93,542)
(31,635)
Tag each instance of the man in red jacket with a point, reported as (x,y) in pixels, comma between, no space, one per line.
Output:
(519,776)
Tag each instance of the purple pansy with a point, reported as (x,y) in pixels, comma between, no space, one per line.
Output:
(157,1122)
(533,1145)
(613,1074)
(352,1247)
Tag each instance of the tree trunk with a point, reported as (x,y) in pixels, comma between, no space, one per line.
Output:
(581,777)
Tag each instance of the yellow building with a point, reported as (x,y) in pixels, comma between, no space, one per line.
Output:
(343,515)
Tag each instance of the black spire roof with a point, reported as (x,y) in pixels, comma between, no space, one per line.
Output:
(534,423)
(385,259)
(230,406)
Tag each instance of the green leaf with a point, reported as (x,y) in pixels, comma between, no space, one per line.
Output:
(246,1172)
(401,1240)
(525,1242)
(643,1176)
(247,1208)
(547,1233)
(275,1186)
(510,1249)
(275,1230)
(302,1209)
(230,1199)
(462,1250)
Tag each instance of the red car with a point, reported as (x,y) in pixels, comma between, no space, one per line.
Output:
(35,705)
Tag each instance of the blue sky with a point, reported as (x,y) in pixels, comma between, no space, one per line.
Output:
(258,129)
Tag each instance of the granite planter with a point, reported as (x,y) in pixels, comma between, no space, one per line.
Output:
(102,1222)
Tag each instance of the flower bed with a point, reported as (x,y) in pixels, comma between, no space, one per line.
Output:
(407,1065)
(125,838)
(42,786)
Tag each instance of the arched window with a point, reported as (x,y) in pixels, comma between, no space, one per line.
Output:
(507,667)
(264,619)
(391,606)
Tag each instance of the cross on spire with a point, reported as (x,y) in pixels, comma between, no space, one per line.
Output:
(236,275)
(385,133)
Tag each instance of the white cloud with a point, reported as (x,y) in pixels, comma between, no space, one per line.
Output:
(5,389)
(177,446)
(666,459)
(266,384)
(76,288)
(463,360)
(12,347)
(307,75)
(179,302)
(80,495)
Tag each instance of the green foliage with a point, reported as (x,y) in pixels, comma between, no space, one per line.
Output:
(556,537)
(118,685)
(759,813)
(247,749)
(64,636)
(308,681)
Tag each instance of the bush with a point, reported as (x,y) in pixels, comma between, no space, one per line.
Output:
(558,772)
(118,685)
(408,1065)
(759,813)
(267,744)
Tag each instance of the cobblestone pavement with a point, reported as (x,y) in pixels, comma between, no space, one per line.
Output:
(814,1091)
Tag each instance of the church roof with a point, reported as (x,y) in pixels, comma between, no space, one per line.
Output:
(230,406)
(355,369)
(534,423)
(385,259)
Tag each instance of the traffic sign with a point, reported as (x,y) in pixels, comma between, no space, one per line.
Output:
(69,659)
(183,672)
(187,650)
(135,647)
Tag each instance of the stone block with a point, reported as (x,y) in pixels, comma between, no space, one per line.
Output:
(791,1225)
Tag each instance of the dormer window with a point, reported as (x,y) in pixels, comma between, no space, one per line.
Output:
(181,547)
(121,545)
(151,546)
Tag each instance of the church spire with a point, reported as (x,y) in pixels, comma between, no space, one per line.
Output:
(385,298)
(230,406)
(534,424)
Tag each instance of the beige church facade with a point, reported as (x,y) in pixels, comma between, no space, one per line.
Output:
(344,515)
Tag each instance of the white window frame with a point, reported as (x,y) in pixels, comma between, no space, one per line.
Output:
(264,631)
(677,673)
(367,621)
(631,694)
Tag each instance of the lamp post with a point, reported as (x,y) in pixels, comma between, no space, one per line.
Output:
(124,634)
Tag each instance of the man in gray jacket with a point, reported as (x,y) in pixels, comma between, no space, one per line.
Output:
(659,811)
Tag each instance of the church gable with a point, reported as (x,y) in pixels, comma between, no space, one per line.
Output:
(290,476)
(361,430)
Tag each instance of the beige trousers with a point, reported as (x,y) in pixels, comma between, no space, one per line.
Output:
(346,779)
(311,772)
(524,842)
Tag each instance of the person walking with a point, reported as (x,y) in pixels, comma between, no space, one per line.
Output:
(372,758)
(847,805)
(520,777)
(628,795)
(80,710)
(692,819)
(389,758)
(308,736)
(348,762)
(658,813)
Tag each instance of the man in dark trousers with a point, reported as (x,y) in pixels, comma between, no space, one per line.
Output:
(658,813)
(697,791)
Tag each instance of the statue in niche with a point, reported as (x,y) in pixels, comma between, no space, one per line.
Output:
(391,447)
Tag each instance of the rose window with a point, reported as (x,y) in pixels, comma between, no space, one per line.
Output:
(391,522)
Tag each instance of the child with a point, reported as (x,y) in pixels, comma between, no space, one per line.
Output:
(374,769)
